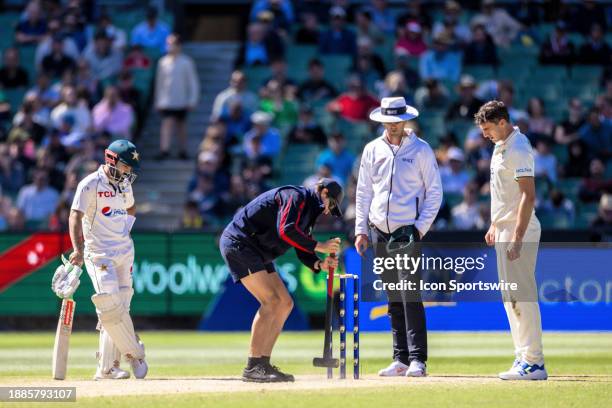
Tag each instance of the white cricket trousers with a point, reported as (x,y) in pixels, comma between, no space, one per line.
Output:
(110,270)
(521,306)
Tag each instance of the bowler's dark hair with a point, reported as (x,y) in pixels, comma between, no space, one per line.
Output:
(492,111)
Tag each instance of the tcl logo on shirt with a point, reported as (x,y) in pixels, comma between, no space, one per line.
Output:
(107,194)
(109,212)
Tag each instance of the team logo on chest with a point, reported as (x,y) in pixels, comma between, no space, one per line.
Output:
(109,212)
(106,194)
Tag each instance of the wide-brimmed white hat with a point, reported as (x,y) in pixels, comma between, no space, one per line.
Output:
(393,110)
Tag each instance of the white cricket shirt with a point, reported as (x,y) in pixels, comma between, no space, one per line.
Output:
(512,159)
(106,224)
(398,185)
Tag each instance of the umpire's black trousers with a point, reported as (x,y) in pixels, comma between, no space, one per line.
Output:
(406,310)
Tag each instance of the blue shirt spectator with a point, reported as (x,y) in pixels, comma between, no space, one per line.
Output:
(280,12)
(37,201)
(31,29)
(280,6)
(597,134)
(337,157)
(262,140)
(338,39)
(382,17)
(440,62)
(151,33)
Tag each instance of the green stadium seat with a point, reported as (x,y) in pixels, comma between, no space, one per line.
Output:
(298,163)
(586,74)
(153,53)
(609,169)
(548,73)
(569,187)
(548,92)
(514,70)
(576,38)
(553,221)
(337,68)
(527,55)
(453,199)
(480,72)
(460,128)
(256,76)
(586,93)
(386,51)
(561,153)
(127,19)
(298,56)
(26,55)
(585,215)
(15,98)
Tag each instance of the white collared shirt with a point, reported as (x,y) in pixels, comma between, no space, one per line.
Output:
(512,159)
(106,223)
(392,180)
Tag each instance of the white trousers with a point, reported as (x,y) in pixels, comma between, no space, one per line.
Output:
(522,307)
(109,271)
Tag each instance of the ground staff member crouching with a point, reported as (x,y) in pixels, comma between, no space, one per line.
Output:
(513,222)
(262,231)
(399,193)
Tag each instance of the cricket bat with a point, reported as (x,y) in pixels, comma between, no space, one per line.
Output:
(62,339)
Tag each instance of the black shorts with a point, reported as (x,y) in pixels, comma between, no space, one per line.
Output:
(178,114)
(241,258)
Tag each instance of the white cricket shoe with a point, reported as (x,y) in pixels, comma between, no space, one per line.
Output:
(417,369)
(139,367)
(525,371)
(115,373)
(395,369)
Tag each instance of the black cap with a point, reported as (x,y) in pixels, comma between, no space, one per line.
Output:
(335,194)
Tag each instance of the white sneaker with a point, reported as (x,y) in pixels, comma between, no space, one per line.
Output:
(115,373)
(139,367)
(525,371)
(417,369)
(395,369)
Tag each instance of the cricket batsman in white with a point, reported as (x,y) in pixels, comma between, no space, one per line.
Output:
(513,223)
(101,218)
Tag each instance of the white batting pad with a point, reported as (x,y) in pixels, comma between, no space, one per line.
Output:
(117,322)
(126,297)
(108,353)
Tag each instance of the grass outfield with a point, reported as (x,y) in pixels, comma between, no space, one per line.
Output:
(461,369)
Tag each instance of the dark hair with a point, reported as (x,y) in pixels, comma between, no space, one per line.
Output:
(315,62)
(540,101)
(492,111)
(367,14)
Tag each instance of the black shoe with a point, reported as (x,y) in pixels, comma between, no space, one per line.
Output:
(183,155)
(161,156)
(285,377)
(265,373)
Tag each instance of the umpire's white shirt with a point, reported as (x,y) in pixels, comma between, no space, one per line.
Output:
(392,179)
(106,223)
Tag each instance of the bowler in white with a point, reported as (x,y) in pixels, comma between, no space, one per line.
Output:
(515,233)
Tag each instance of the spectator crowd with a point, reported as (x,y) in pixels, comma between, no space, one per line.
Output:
(326,65)
(424,54)
(61,108)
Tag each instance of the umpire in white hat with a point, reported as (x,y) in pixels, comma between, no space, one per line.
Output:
(399,193)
